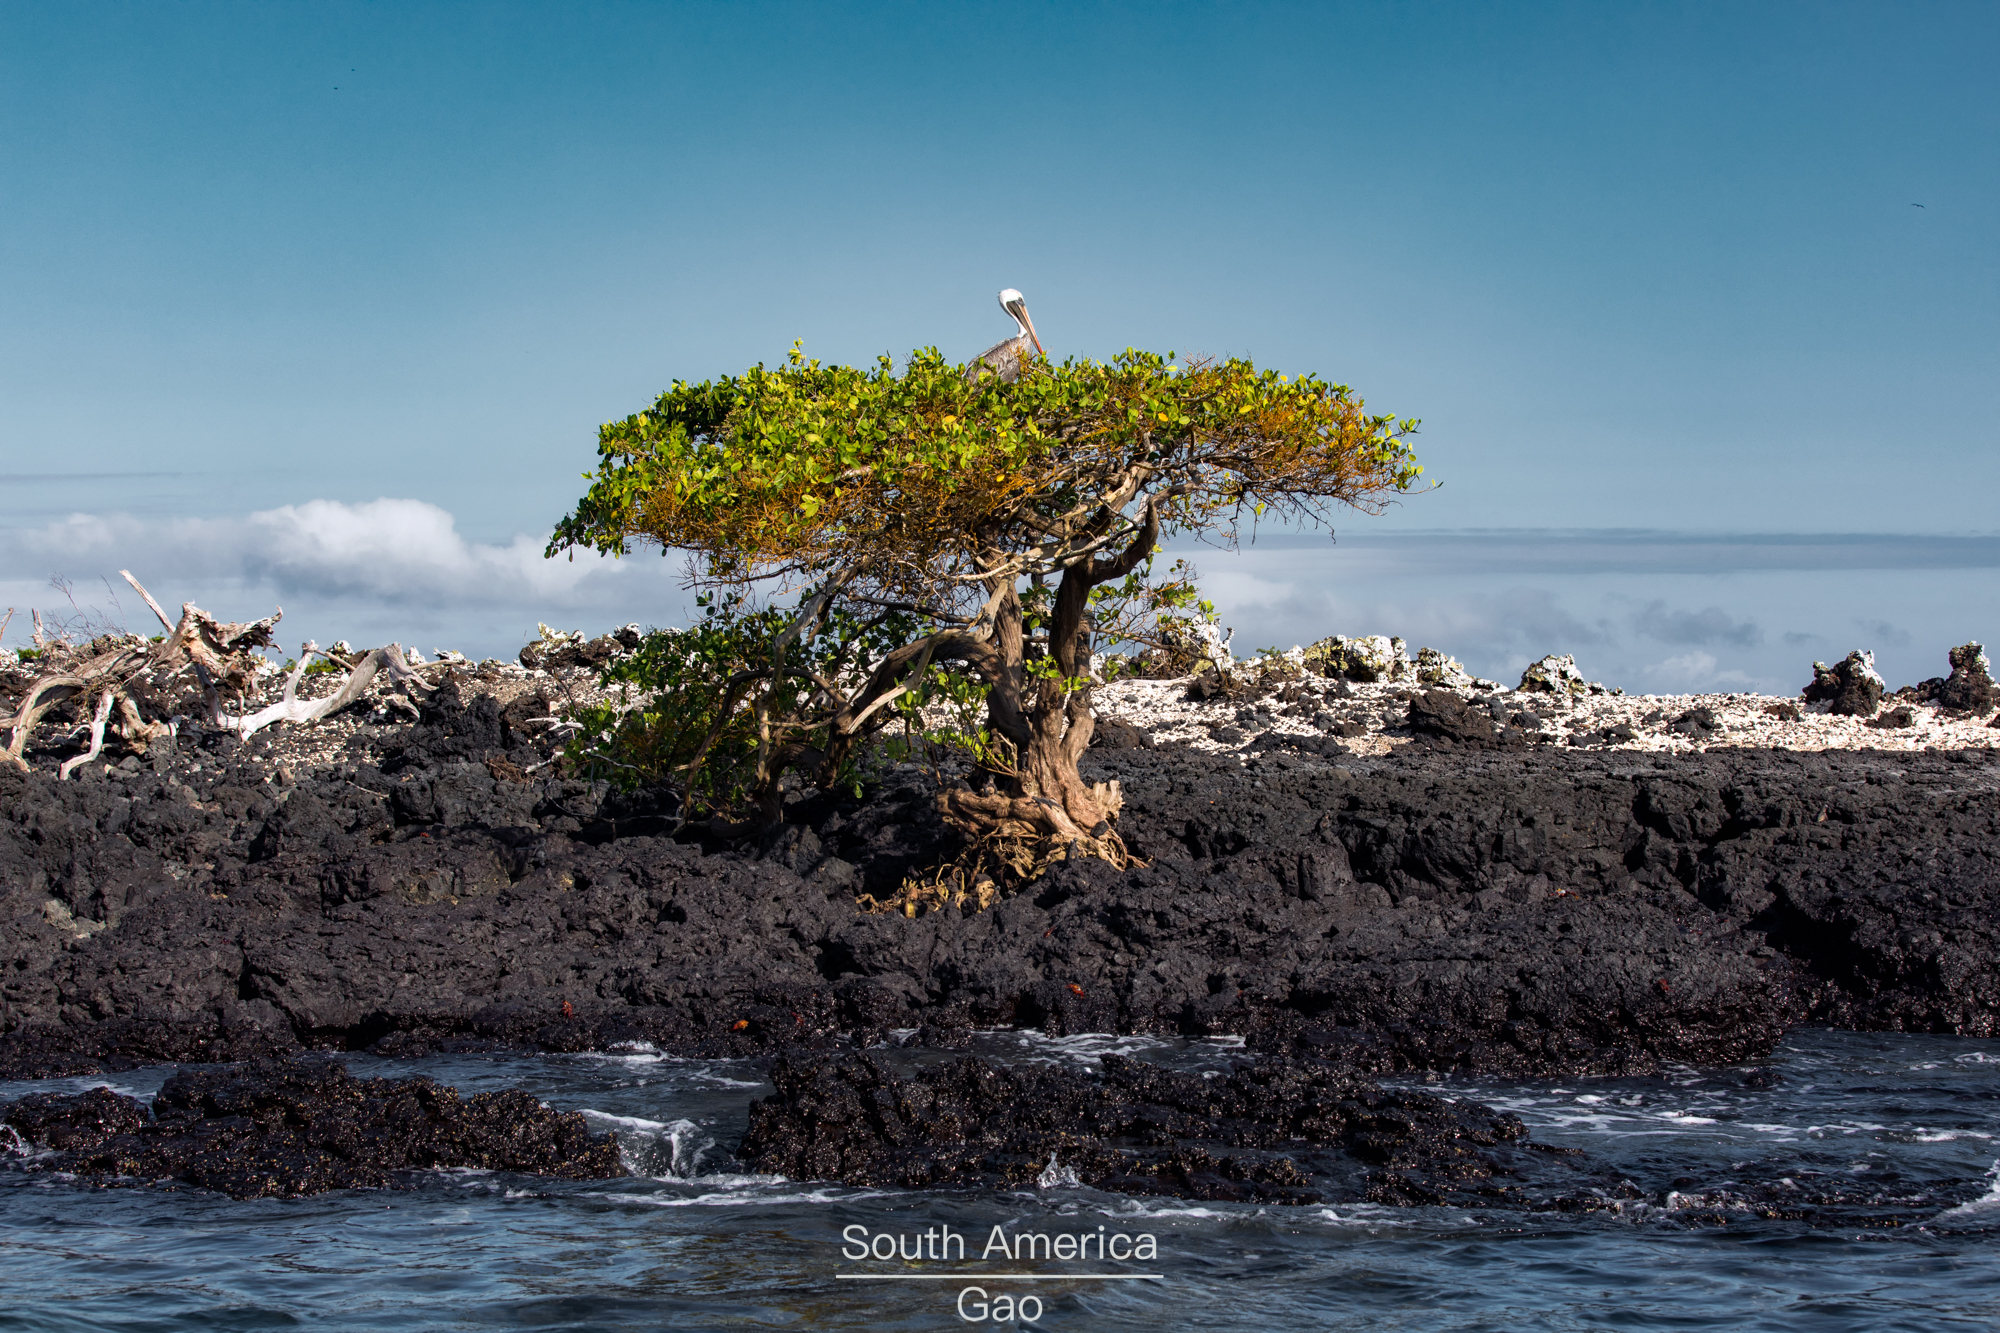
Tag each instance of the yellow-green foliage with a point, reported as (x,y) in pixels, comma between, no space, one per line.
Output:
(812,465)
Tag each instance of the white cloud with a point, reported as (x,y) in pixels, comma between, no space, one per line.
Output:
(387,568)
(1695,673)
(400,570)
(392,549)
(400,549)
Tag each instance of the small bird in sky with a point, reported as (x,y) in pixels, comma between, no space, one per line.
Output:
(1918,206)
(1005,359)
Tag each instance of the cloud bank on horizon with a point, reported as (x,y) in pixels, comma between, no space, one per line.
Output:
(373,571)
(1688,613)
(393,550)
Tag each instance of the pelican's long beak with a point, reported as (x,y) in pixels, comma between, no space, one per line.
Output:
(1029,320)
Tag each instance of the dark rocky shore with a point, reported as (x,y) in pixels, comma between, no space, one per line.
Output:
(1279,1130)
(285,1127)
(1447,907)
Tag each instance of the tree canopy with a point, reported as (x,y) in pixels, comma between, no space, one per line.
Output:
(981,521)
(916,476)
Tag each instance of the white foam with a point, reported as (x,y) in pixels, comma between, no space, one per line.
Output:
(1357,1217)
(1140,1210)
(631,1121)
(1057,1176)
(634,1053)
(736,1192)
(1089,1046)
(1985,1203)
(1862,1127)
(724,1081)
(685,1142)
(629,1057)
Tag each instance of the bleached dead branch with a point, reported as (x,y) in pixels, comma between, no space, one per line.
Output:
(43,695)
(290,708)
(223,657)
(96,736)
(139,588)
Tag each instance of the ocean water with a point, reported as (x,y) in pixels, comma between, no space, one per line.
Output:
(1909,1124)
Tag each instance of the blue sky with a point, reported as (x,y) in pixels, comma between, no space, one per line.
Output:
(1651,267)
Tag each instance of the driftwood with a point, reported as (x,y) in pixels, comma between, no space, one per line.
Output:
(290,708)
(96,735)
(222,656)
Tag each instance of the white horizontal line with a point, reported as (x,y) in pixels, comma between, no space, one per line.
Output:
(1009,1277)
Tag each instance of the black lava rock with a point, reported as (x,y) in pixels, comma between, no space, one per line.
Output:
(1700,723)
(68,1121)
(1115,733)
(1969,688)
(1290,1131)
(1499,908)
(291,1127)
(1851,686)
(1446,721)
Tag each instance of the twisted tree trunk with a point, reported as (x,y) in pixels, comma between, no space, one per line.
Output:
(1043,708)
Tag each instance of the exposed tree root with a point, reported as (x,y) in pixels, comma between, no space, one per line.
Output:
(985,814)
(958,885)
(1011,841)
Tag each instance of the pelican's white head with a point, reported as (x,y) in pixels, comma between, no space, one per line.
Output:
(1016,305)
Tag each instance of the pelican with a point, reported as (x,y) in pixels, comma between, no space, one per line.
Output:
(1006,359)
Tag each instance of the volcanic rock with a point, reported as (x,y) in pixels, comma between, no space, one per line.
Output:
(555,650)
(1289,1131)
(1116,733)
(67,1121)
(1435,668)
(1970,685)
(1374,657)
(1850,688)
(1512,909)
(279,1128)
(1557,674)
(1444,719)
(1700,723)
